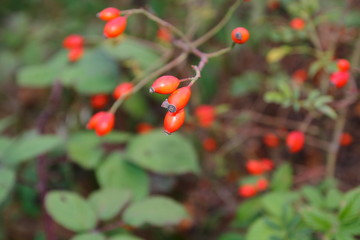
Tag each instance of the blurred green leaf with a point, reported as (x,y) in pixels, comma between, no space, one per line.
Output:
(231,236)
(276,54)
(259,230)
(70,210)
(282,178)
(89,236)
(247,212)
(157,211)
(117,173)
(164,154)
(313,196)
(84,149)
(136,106)
(124,237)
(6,122)
(7,181)
(350,209)
(328,111)
(333,198)
(278,204)
(247,83)
(29,146)
(274,97)
(317,219)
(107,203)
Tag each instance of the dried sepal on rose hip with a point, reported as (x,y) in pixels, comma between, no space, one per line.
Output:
(102,123)
(123,89)
(179,99)
(240,35)
(295,141)
(165,85)
(173,121)
(115,27)
(108,14)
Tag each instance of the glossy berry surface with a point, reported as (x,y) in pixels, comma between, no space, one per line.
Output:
(247,190)
(254,167)
(108,14)
(165,85)
(205,115)
(297,24)
(295,141)
(343,65)
(179,99)
(346,139)
(209,144)
(123,89)
(99,101)
(73,41)
(271,140)
(240,35)
(173,121)
(115,27)
(262,184)
(339,79)
(75,54)
(102,123)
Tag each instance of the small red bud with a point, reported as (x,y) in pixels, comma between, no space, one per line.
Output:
(295,141)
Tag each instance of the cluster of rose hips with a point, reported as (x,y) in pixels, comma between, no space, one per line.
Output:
(294,141)
(342,76)
(75,44)
(115,25)
(257,168)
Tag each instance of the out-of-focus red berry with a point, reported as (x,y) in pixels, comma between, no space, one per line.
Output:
(115,27)
(102,123)
(209,144)
(240,35)
(164,34)
(144,128)
(299,75)
(123,89)
(267,164)
(108,14)
(339,79)
(297,24)
(247,190)
(99,101)
(73,41)
(262,184)
(271,140)
(343,65)
(346,139)
(205,114)
(254,167)
(295,141)
(273,4)
(75,54)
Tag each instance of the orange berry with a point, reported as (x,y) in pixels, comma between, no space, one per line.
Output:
(247,190)
(297,24)
(179,99)
(240,35)
(254,167)
(205,115)
(102,122)
(165,85)
(173,121)
(115,27)
(99,101)
(75,54)
(108,14)
(209,144)
(271,140)
(73,41)
(123,89)
(295,141)
(343,65)
(164,34)
(346,139)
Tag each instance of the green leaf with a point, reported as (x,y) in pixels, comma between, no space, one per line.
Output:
(231,236)
(94,73)
(322,100)
(317,219)
(315,68)
(350,209)
(278,204)
(124,237)
(7,181)
(313,196)
(259,230)
(136,106)
(247,83)
(333,198)
(132,49)
(116,172)
(157,211)
(6,122)
(5,144)
(84,149)
(70,210)
(117,137)
(164,154)
(29,146)
(246,213)
(282,178)
(107,203)
(274,97)
(276,54)
(328,111)
(89,236)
